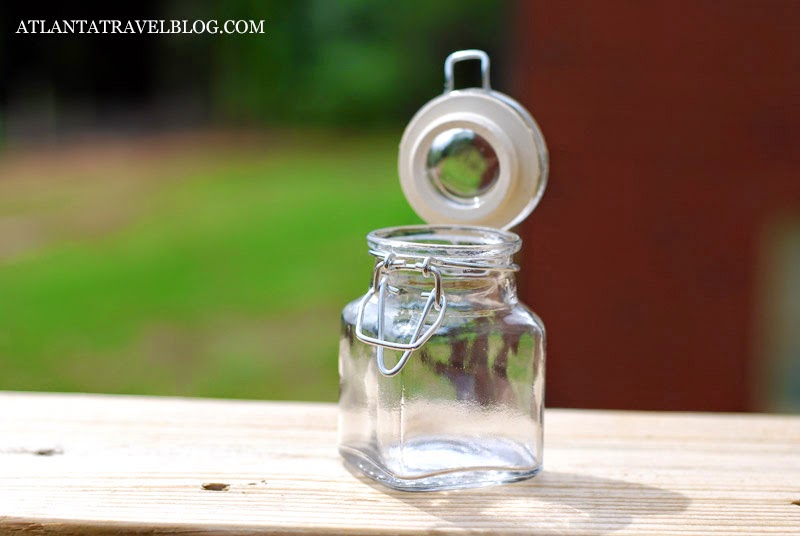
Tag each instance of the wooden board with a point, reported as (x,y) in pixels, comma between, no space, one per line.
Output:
(92,464)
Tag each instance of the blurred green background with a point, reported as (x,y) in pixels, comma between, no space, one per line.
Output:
(185,214)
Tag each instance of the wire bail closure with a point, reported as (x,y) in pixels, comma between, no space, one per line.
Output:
(435,300)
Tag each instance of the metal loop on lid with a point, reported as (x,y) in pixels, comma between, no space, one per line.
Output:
(473,156)
(462,55)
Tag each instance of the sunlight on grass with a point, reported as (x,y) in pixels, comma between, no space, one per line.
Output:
(225,280)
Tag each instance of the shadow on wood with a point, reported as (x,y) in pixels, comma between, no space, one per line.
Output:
(572,502)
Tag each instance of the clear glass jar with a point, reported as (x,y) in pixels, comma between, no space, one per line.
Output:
(465,408)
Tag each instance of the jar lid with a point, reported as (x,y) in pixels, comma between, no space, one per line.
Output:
(473,156)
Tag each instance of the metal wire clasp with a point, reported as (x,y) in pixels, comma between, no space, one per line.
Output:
(436,300)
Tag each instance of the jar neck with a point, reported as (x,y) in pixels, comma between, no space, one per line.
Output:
(464,288)
(473,264)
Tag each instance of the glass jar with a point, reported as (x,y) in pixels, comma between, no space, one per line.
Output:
(441,368)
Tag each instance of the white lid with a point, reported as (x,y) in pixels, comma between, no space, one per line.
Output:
(473,156)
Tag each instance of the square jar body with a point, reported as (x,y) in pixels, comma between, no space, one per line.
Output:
(464,411)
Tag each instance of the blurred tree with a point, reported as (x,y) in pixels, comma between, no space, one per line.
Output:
(349,62)
(319,62)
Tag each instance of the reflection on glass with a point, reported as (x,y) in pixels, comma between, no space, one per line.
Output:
(462,165)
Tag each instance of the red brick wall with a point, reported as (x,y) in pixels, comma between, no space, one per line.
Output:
(674,132)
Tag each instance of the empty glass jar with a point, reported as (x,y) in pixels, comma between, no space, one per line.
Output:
(441,367)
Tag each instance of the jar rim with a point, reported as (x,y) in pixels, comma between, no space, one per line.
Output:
(446,241)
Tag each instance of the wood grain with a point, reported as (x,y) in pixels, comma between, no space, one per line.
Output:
(93,464)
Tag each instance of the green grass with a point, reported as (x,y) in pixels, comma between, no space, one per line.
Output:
(223,279)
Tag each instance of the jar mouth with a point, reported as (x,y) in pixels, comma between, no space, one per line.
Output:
(461,242)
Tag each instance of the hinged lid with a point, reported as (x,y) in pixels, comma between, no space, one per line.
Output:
(473,156)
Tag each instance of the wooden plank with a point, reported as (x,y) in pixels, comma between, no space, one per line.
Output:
(93,464)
